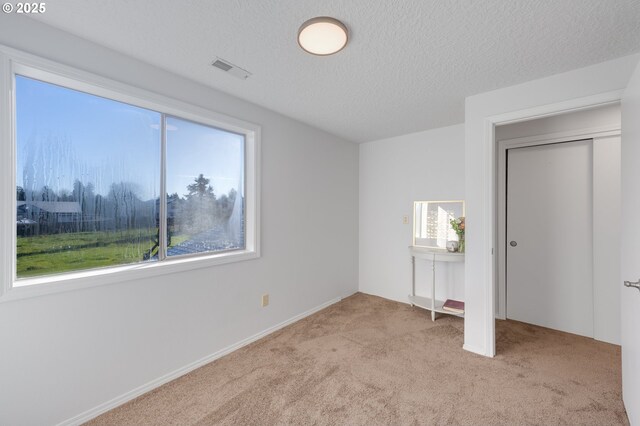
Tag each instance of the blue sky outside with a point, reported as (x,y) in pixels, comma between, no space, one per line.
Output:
(64,135)
(193,149)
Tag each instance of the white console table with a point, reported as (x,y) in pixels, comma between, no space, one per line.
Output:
(434,255)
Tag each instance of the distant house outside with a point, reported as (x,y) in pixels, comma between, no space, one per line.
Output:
(56,216)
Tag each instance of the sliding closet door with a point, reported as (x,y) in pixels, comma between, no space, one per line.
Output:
(549,236)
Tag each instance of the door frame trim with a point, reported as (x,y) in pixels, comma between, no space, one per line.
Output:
(593,133)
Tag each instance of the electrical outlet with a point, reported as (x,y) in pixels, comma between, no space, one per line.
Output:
(405,220)
(265,300)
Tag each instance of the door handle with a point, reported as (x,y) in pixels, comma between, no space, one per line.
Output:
(513,244)
(632,284)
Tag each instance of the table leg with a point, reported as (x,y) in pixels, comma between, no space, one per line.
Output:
(433,290)
(413,275)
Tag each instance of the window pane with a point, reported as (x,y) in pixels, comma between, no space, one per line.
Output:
(88,173)
(205,188)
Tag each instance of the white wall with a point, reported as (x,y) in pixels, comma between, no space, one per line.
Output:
(394,173)
(533,96)
(630,248)
(63,354)
(606,205)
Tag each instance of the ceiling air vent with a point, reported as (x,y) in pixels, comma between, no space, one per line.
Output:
(228,67)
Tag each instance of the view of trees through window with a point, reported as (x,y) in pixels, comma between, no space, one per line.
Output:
(207,210)
(88,183)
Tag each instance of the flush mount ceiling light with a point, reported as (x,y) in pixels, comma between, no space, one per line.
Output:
(323,36)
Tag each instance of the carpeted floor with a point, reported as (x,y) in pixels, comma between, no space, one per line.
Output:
(366,360)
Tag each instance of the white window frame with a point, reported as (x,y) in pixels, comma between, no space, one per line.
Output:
(14,62)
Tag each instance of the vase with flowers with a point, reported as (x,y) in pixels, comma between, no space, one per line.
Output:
(458,227)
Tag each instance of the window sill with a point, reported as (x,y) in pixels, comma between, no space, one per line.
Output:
(39,286)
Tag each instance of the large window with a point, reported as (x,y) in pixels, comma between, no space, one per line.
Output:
(106,180)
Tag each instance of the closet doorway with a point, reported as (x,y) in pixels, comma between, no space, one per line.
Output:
(558,223)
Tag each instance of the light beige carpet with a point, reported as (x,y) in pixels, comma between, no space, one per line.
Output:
(366,360)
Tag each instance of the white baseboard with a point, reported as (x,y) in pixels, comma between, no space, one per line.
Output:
(126,397)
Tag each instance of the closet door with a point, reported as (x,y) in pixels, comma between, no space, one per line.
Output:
(549,236)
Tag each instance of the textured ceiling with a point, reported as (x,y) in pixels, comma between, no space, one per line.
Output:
(408,66)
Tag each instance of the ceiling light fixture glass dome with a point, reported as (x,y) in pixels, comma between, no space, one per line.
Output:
(323,36)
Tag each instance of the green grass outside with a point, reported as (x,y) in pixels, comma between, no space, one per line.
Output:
(54,254)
